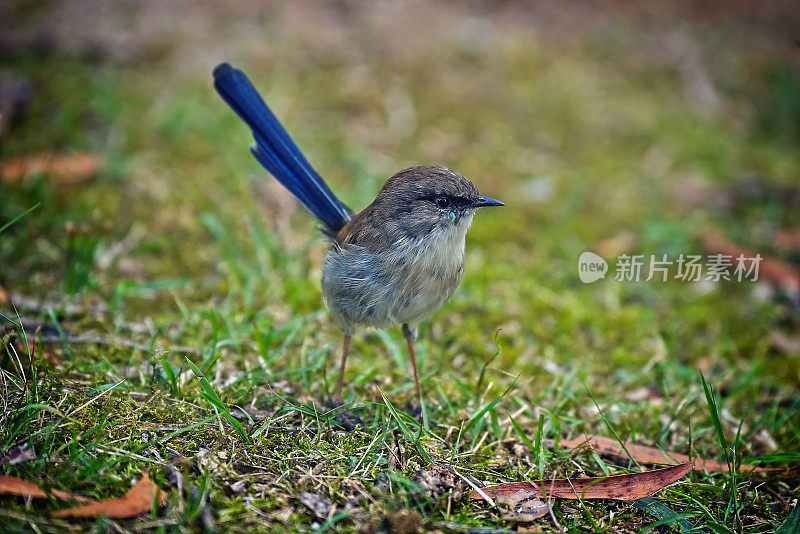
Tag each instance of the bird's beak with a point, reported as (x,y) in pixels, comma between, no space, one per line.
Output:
(482,202)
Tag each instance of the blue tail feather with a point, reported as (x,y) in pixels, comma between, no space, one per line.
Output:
(276,150)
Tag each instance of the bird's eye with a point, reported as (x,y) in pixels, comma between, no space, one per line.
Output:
(443,202)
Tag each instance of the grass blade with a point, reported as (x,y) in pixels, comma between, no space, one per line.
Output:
(211,395)
(792,523)
(407,433)
(10,223)
(664,515)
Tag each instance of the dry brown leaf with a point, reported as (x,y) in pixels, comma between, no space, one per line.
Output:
(619,487)
(25,488)
(397,456)
(17,455)
(3,296)
(787,240)
(522,506)
(608,447)
(613,246)
(776,271)
(60,168)
(138,500)
(316,503)
(439,481)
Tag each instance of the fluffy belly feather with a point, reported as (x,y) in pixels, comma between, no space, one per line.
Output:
(404,286)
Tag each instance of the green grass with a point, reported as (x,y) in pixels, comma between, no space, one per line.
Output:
(182,246)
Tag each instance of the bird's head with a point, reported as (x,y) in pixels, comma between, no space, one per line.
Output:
(428,198)
(417,203)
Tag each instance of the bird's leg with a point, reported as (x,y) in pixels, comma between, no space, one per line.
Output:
(414,366)
(347,419)
(410,335)
(345,347)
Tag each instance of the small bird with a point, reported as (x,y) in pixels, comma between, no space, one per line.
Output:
(395,262)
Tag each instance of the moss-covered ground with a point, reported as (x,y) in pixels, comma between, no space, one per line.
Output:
(603,128)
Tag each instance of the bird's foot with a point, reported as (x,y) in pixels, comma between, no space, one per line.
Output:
(414,409)
(348,420)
